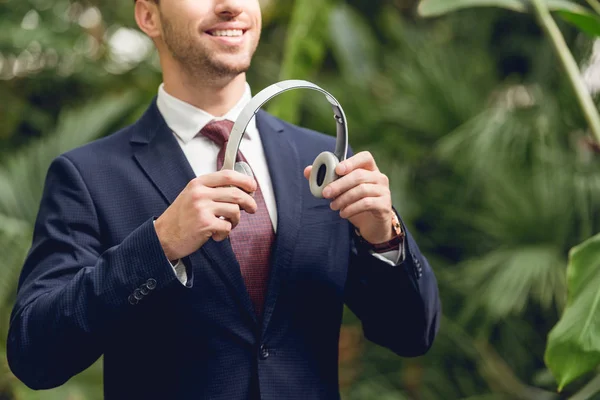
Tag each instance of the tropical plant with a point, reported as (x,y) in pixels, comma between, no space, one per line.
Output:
(574,344)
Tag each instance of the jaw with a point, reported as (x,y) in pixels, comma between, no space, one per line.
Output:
(206,56)
(230,63)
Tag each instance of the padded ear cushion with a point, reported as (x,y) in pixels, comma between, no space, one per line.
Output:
(243,168)
(323,173)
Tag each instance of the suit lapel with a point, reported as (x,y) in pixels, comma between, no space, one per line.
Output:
(160,156)
(286,176)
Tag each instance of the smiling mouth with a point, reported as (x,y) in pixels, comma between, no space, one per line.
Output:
(226,33)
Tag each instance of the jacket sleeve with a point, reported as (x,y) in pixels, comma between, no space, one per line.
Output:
(399,306)
(73,291)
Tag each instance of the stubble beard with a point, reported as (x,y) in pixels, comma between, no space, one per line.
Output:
(196,60)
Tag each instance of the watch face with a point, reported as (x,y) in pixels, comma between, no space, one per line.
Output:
(396,225)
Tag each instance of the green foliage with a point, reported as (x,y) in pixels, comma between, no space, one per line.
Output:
(570,11)
(353,44)
(432,8)
(304,52)
(574,343)
(571,349)
(22,176)
(587,22)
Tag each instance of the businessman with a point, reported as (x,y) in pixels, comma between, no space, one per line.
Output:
(198,283)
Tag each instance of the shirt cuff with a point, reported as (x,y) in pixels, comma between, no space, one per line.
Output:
(179,269)
(393,257)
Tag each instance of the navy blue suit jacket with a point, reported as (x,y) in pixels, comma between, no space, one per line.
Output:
(94,244)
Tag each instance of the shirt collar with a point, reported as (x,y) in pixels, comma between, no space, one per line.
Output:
(186,120)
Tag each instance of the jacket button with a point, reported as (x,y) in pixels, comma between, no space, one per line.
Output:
(264,352)
(151,283)
(132,300)
(144,289)
(137,293)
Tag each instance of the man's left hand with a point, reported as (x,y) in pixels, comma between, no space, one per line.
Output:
(362,195)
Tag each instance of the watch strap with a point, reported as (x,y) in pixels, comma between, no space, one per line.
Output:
(390,245)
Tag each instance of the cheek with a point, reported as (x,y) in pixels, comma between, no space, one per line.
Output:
(255,11)
(189,15)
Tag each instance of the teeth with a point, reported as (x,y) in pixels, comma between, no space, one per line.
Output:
(228,32)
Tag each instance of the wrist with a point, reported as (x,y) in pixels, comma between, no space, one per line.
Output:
(389,242)
(162,238)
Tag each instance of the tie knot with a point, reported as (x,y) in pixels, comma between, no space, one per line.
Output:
(217,131)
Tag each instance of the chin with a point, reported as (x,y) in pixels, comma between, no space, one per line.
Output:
(232,67)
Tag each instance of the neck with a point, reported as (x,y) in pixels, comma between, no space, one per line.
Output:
(216,97)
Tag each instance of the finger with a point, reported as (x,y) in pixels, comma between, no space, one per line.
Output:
(307,171)
(235,196)
(220,229)
(230,212)
(376,205)
(363,160)
(356,193)
(345,183)
(228,178)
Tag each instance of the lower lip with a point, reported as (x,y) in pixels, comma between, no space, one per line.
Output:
(229,40)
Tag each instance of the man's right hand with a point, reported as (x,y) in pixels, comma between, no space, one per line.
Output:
(193,218)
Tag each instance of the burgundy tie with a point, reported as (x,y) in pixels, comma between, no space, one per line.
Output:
(253,237)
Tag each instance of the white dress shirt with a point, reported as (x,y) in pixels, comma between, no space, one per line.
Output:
(186,121)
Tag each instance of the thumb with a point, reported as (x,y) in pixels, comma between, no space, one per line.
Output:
(307,171)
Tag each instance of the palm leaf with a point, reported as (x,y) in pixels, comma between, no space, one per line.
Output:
(22,175)
(532,197)
(506,279)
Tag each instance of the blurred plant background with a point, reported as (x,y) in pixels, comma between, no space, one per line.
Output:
(469,114)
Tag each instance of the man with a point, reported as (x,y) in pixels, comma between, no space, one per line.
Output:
(196,283)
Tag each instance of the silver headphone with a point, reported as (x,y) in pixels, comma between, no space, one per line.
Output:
(323,168)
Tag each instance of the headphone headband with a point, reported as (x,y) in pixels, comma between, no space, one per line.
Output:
(241,123)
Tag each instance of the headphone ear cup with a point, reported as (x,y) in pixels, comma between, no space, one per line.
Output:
(322,173)
(243,168)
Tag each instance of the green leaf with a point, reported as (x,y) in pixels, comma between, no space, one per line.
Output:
(23,173)
(353,44)
(527,272)
(433,8)
(574,343)
(304,53)
(587,22)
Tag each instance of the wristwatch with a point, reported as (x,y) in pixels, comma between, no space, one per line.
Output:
(392,244)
